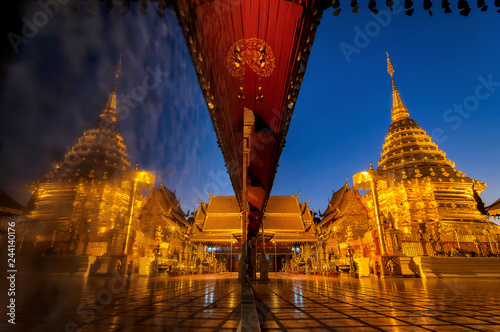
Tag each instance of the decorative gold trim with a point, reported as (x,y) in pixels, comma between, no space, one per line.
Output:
(256,53)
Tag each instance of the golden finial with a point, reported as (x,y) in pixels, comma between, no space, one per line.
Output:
(390,68)
(136,168)
(118,69)
(371,165)
(399,110)
(110,109)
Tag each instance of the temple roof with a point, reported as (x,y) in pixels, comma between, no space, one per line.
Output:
(284,223)
(494,208)
(336,199)
(283,204)
(283,214)
(223,204)
(172,200)
(222,214)
(8,206)
(339,205)
(163,202)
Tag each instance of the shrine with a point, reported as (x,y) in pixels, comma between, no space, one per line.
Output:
(89,204)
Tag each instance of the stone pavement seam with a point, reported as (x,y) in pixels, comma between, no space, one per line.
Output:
(381,313)
(303,311)
(228,317)
(366,309)
(259,304)
(149,305)
(203,309)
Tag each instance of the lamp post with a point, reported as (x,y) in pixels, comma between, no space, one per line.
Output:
(130,213)
(136,177)
(231,258)
(248,126)
(264,264)
(367,180)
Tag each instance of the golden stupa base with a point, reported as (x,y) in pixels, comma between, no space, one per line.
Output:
(471,267)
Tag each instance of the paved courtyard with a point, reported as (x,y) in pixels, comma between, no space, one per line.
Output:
(287,302)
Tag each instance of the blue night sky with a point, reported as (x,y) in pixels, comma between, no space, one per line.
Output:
(343,111)
(59,83)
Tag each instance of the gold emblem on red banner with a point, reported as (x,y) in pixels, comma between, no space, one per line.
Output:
(257,55)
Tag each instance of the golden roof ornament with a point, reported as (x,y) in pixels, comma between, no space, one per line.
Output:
(110,112)
(399,110)
(118,69)
(390,69)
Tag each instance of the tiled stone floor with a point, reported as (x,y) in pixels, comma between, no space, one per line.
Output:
(211,303)
(372,304)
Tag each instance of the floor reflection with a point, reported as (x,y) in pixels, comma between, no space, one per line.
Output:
(211,302)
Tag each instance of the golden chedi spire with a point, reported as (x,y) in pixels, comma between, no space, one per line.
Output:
(99,152)
(433,187)
(399,110)
(110,112)
(407,146)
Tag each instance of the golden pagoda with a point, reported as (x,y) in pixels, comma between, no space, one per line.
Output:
(435,206)
(89,203)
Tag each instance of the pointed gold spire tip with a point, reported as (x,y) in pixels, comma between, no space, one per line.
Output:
(390,68)
(399,110)
(110,109)
(118,69)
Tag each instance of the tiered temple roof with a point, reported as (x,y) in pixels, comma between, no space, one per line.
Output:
(162,208)
(494,209)
(9,207)
(222,215)
(346,209)
(219,220)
